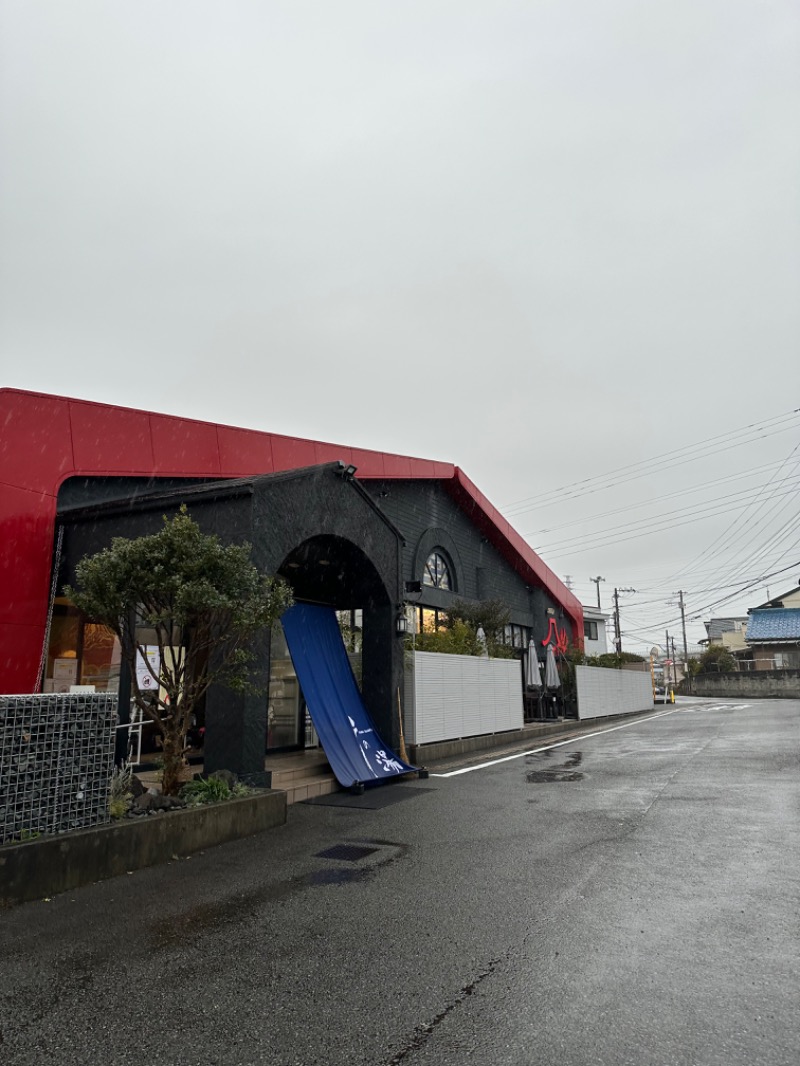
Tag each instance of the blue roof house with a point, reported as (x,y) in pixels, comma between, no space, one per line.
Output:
(773,633)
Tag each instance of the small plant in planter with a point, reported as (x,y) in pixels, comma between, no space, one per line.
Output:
(212,790)
(120,795)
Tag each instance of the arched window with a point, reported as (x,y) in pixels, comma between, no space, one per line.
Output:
(436,574)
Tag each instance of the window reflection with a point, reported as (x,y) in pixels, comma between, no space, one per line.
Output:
(437,573)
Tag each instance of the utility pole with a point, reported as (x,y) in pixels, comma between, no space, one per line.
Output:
(617,629)
(674,667)
(666,665)
(685,645)
(597,581)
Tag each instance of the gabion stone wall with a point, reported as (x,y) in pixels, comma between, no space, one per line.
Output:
(56,758)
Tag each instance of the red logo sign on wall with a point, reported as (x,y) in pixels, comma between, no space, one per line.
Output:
(557,636)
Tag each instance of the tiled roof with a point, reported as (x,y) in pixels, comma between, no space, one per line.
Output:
(776,623)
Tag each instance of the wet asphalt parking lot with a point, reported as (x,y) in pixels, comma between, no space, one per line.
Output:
(626,898)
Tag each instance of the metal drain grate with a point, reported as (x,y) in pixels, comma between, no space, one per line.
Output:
(346,852)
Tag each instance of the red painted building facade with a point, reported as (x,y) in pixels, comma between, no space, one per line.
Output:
(46,440)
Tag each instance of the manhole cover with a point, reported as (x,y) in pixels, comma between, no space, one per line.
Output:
(346,852)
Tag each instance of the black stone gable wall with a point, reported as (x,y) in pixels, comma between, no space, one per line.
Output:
(428,516)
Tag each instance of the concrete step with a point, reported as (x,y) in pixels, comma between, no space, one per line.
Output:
(286,770)
(307,788)
(301,776)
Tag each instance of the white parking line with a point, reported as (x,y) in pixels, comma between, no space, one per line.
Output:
(556,744)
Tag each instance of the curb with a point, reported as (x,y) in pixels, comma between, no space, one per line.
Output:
(38,869)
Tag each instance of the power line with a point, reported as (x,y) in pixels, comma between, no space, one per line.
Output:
(662,525)
(685,571)
(668,516)
(657,499)
(698,450)
(696,612)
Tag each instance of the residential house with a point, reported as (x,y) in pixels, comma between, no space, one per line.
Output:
(773,632)
(594,631)
(729,632)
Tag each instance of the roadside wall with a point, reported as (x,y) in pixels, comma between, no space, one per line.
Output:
(452,696)
(763,684)
(602,693)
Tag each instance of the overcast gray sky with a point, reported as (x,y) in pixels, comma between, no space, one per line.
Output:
(542,240)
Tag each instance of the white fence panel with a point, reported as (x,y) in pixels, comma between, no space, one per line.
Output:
(453,696)
(605,692)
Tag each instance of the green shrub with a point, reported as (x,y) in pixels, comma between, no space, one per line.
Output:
(212,790)
(205,790)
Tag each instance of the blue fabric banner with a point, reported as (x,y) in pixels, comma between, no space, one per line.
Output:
(353,747)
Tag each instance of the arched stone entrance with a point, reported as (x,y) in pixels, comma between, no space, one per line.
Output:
(327,537)
(331,571)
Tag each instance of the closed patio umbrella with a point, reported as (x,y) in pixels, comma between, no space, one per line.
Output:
(551,682)
(533,670)
(551,678)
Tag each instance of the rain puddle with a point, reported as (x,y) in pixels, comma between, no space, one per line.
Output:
(564,771)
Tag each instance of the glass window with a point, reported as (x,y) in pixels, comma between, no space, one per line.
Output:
(590,630)
(429,619)
(437,573)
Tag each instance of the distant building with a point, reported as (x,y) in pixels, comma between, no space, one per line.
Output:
(729,632)
(594,631)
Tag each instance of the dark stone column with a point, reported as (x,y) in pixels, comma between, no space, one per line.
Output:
(382,670)
(236,722)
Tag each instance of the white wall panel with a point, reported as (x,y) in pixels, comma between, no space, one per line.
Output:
(452,696)
(605,692)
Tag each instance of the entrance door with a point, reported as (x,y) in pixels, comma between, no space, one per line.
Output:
(286,705)
(289,724)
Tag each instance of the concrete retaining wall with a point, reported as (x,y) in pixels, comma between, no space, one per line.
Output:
(603,693)
(761,684)
(41,868)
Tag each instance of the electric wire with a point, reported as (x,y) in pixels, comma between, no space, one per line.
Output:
(699,450)
(686,570)
(739,476)
(708,507)
(663,526)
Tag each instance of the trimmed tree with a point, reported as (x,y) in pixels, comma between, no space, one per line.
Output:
(716,659)
(198,601)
